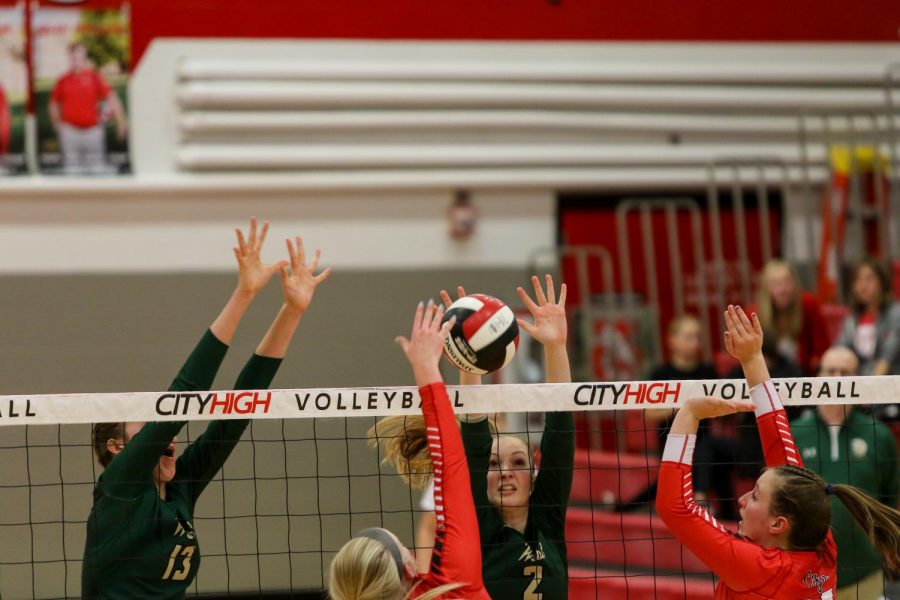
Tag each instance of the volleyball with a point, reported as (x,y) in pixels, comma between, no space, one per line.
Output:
(485,336)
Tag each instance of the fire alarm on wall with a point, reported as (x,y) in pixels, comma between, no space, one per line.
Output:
(462,216)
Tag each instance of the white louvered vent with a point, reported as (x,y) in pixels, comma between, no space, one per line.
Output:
(539,110)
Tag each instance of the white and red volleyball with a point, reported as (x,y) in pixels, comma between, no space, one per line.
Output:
(485,336)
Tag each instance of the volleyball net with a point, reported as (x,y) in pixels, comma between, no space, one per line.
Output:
(304,478)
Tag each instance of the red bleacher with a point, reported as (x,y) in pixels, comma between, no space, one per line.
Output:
(610,585)
(624,548)
(604,476)
(638,541)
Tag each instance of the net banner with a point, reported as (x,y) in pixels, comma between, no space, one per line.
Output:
(382,401)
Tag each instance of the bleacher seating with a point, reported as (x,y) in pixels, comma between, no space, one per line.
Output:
(602,477)
(612,585)
(633,541)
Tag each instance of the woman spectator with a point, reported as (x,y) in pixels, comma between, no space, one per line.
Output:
(872,329)
(791,316)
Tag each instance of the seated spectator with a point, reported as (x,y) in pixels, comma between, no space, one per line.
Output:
(845,445)
(684,344)
(872,329)
(791,316)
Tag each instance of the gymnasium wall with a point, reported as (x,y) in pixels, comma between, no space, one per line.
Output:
(587,20)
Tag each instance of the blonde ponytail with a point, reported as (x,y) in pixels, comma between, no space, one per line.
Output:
(405,444)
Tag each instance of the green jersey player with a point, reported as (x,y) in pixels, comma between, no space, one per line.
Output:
(521,512)
(141,542)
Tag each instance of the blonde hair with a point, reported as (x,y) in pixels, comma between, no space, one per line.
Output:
(363,569)
(789,321)
(680,321)
(405,444)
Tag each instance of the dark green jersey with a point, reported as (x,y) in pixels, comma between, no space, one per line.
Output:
(532,565)
(863,453)
(138,545)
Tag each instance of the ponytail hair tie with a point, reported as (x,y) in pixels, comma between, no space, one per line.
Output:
(829,489)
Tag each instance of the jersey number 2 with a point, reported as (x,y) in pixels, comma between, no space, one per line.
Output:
(185,553)
(536,572)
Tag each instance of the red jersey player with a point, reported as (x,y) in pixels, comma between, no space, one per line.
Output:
(374,563)
(783,548)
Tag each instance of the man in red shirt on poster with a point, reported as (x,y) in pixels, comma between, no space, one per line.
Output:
(4,126)
(80,105)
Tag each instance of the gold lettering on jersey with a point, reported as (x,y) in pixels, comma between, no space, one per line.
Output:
(180,531)
(529,555)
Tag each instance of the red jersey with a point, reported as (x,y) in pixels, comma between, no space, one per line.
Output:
(745,569)
(457,546)
(78,94)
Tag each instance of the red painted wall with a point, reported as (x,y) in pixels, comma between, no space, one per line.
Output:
(576,20)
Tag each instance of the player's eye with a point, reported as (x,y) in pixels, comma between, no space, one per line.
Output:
(494,464)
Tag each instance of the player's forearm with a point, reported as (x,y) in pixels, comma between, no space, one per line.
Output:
(685,423)
(227,322)
(755,370)
(556,357)
(278,338)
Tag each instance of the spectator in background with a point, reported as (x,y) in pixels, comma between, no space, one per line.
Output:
(872,329)
(793,317)
(846,445)
(684,344)
(80,105)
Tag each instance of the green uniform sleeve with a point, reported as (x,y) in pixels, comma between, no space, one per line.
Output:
(477,441)
(550,496)
(132,468)
(199,370)
(202,460)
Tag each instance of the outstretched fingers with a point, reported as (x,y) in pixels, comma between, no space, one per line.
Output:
(251,241)
(526,299)
(322,276)
(551,293)
(538,290)
(262,235)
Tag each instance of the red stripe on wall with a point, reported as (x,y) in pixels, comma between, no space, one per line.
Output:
(575,20)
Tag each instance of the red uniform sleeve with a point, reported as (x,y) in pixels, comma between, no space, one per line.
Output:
(741,564)
(774,429)
(457,548)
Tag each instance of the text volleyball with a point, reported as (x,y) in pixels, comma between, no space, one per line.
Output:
(485,336)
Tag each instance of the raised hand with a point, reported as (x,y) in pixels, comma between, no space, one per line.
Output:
(425,344)
(299,284)
(549,327)
(708,408)
(445,297)
(743,335)
(253,275)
